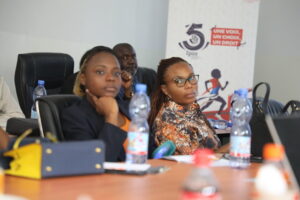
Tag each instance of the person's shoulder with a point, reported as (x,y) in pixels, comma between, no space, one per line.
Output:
(80,112)
(4,89)
(2,81)
(75,108)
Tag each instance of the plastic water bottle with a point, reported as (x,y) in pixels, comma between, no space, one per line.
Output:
(38,91)
(201,183)
(234,96)
(138,133)
(271,181)
(240,136)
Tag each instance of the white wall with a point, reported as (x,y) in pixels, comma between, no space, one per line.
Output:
(278,53)
(74,26)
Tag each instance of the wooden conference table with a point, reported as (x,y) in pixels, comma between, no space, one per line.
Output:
(234,184)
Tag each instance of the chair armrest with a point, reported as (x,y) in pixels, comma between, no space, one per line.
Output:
(16,126)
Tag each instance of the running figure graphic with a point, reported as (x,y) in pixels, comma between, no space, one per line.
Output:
(214,91)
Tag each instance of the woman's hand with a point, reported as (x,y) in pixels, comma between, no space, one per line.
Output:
(106,106)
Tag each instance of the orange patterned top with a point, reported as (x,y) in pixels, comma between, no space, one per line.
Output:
(187,127)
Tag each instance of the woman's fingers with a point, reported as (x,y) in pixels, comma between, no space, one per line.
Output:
(92,97)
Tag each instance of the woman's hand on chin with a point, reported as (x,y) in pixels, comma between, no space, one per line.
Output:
(106,106)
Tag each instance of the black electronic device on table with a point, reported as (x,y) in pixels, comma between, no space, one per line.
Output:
(285,130)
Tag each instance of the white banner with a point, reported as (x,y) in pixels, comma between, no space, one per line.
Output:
(217,37)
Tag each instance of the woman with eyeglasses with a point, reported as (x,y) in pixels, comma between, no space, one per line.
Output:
(175,115)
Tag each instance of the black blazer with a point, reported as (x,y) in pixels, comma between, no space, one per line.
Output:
(82,122)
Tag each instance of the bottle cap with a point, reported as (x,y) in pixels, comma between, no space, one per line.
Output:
(237,92)
(140,87)
(273,151)
(229,124)
(203,157)
(41,82)
(243,92)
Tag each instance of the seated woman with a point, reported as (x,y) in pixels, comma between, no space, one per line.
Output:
(175,115)
(99,115)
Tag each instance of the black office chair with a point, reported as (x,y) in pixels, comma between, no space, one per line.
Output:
(260,133)
(274,107)
(49,109)
(31,67)
(148,77)
(292,107)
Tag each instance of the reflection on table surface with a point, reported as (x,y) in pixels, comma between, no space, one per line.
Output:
(234,184)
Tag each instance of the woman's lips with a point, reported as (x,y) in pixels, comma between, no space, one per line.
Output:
(110,89)
(190,95)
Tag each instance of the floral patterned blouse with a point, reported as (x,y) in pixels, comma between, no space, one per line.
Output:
(188,128)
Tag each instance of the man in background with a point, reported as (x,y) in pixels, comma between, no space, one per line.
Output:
(131,72)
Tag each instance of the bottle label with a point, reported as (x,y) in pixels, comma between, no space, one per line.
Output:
(187,195)
(34,114)
(137,143)
(240,146)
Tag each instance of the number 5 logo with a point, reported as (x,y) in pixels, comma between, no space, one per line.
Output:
(197,38)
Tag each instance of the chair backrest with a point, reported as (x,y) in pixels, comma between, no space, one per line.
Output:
(260,132)
(49,109)
(274,107)
(148,77)
(67,87)
(31,67)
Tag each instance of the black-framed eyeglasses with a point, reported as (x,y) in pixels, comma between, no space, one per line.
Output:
(180,82)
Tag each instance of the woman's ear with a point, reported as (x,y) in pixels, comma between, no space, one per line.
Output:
(165,90)
(82,79)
